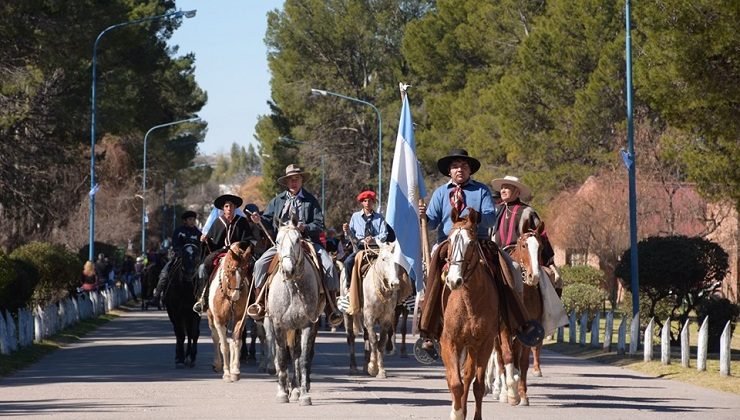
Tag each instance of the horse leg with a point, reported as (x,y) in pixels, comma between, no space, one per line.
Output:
(236,347)
(469,372)
(512,376)
(295,354)
(536,371)
(281,361)
(194,334)
(404,321)
(366,341)
(348,323)
(308,337)
(217,361)
(252,352)
(524,352)
(479,387)
(450,358)
(179,344)
(372,366)
(224,346)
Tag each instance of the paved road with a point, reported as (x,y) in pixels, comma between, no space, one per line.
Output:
(125,369)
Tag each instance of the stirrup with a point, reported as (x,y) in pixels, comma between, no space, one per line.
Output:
(198,307)
(256,311)
(335,319)
(531,334)
(425,353)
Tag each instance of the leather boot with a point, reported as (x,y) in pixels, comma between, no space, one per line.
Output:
(256,311)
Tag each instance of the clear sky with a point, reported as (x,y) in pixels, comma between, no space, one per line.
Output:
(227,37)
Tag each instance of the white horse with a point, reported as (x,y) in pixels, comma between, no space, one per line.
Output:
(293,309)
(380,287)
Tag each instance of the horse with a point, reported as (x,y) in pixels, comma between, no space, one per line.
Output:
(179,298)
(149,279)
(294,305)
(227,303)
(526,255)
(352,328)
(471,316)
(380,288)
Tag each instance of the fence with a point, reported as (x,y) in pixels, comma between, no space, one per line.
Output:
(579,335)
(43,322)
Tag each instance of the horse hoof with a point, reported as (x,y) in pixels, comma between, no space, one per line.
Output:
(227,378)
(354,371)
(513,400)
(304,400)
(281,398)
(295,395)
(235,377)
(381,375)
(495,395)
(503,398)
(179,365)
(537,373)
(524,401)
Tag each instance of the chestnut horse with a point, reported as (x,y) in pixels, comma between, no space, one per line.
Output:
(227,303)
(472,318)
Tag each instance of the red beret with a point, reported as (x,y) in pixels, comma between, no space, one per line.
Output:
(366,194)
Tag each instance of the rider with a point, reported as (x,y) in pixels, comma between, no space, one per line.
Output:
(512,213)
(368,227)
(310,223)
(186,234)
(227,229)
(464,193)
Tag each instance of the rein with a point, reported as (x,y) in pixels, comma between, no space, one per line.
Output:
(520,259)
(457,243)
(296,257)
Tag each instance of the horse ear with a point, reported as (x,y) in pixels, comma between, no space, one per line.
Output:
(540,228)
(454,216)
(473,216)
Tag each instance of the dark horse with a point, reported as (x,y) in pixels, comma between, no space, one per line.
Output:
(179,298)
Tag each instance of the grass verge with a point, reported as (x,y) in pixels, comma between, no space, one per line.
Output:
(29,355)
(707,379)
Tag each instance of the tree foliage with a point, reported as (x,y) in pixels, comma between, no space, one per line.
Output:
(684,270)
(45,80)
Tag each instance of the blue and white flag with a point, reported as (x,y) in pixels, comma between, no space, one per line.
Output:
(215,214)
(407,187)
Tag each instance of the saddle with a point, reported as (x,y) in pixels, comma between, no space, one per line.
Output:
(363,262)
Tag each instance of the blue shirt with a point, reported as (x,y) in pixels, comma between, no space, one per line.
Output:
(377,223)
(477,196)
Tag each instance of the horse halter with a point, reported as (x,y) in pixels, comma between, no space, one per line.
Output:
(238,257)
(456,256)
(295,254)
(525,250)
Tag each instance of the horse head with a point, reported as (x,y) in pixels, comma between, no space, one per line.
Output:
(190,258)
(289,247)
(527,253)
(235,268)
(462,242)
(386,266)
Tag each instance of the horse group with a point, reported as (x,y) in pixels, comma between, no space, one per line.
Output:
(472,329)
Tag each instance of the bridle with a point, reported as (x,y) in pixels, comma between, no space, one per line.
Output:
(456,256)
(522,249)
(295,253)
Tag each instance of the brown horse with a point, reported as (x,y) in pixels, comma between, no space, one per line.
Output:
(227,303)
(526,253)
(471,316)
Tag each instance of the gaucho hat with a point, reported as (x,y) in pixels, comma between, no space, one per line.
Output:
(220,201)
(291,170)
(444,164)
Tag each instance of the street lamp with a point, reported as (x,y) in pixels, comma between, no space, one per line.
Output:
(143,179)
(320,92)
(323,178)
(93,187)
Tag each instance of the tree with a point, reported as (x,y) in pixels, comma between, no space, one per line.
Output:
(683,270)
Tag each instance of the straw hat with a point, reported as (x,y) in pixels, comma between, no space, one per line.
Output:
(524,191)
(291,170)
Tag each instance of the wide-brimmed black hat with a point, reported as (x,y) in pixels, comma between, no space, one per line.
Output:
(188,214)
(220,201)
(444,164)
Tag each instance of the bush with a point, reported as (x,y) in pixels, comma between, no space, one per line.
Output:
(583,274)
(58,270)
(719,310)
(18,292)
(7,278)
(582,297)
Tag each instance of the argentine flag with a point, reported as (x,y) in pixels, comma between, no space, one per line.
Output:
(407,186)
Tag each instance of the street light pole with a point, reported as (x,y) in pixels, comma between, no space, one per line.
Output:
(380,136)
(143,179)
(93,187)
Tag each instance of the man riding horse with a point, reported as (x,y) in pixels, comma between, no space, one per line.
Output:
(229,228)
(295,200)
(183,235)
(512,214)
(464,193)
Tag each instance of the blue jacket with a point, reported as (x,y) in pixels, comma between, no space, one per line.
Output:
(477,196)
